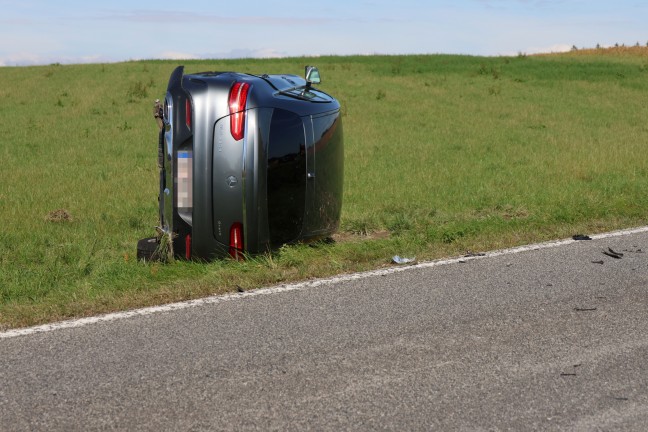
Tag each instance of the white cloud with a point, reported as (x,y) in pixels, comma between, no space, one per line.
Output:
(31,59)
(20,60)
(176,55)
(253,53)
(557,48)
(237,53)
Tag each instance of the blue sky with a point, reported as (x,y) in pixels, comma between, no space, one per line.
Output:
(81,31)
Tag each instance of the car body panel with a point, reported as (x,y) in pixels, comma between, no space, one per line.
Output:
(268,181)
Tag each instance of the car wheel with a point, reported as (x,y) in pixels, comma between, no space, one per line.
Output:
(147,249)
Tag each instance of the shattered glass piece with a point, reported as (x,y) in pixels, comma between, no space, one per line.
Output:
(396,259)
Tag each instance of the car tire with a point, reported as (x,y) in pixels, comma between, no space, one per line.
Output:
(148,249)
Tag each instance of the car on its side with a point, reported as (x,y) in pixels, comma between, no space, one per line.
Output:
(248,162)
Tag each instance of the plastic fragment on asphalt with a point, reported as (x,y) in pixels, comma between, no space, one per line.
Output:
(613,254)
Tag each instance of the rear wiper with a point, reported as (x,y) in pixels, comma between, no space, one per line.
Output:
(303,95)
(304,90)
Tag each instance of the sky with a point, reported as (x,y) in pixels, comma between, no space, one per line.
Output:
(36,32)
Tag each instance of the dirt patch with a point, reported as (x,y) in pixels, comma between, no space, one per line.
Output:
(60,215)
(345,237)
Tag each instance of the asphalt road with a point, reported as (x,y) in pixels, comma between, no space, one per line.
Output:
(550,339)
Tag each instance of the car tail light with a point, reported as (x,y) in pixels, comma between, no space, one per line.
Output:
(188,113)
(188,247)
(236,241)
(237,102)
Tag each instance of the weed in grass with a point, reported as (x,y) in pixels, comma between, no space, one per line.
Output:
(125,126)
(397,66)
(398,224)
(495,90)
(361,226)
(137,90)
(291,256)
(450,236)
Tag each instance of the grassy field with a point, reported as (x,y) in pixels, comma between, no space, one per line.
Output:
(444,154)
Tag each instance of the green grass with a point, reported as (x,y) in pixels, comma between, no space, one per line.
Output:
(444,154)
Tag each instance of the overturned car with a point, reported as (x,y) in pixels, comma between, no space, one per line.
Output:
(247,163)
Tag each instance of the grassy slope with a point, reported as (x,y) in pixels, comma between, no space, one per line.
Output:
(443,153)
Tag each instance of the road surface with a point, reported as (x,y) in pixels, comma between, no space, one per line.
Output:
(548,339)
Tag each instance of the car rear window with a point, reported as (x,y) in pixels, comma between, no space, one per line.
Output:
(286,176)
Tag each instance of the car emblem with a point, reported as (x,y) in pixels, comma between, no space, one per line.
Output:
(231,181)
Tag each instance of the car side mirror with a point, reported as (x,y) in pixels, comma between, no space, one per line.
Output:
(312,76)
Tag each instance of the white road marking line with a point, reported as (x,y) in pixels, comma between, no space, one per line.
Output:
(295,287)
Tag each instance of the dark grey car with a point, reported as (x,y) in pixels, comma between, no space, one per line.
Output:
(248,162)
